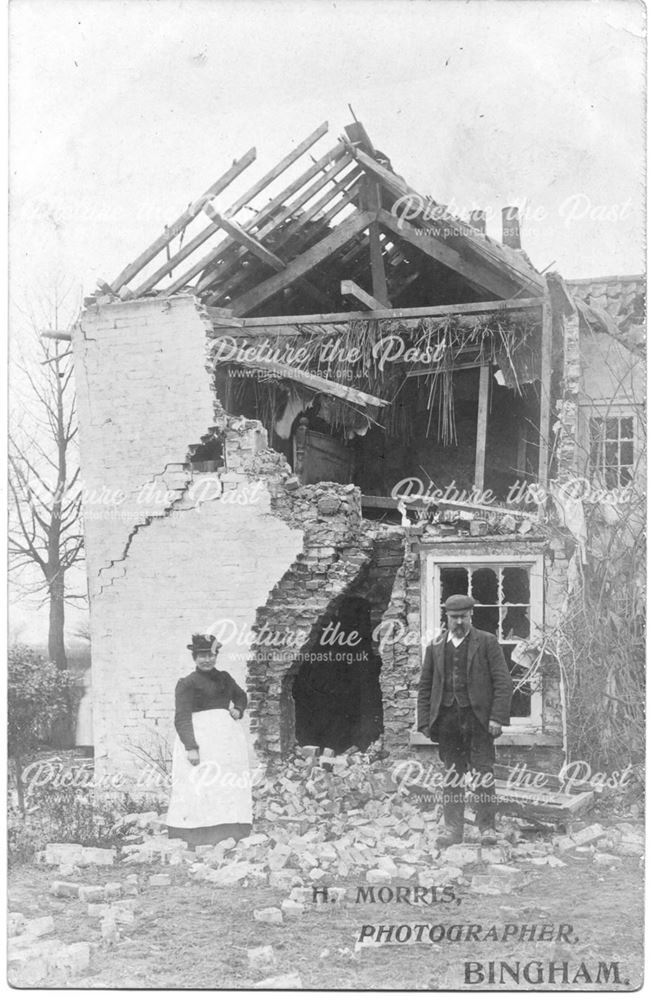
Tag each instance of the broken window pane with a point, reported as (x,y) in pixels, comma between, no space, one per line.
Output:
(453,581)
(516,623)
(486,619)
(485,586)
(516,585)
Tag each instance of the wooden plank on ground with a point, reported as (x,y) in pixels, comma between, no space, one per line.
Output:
(183,221)
(345,232)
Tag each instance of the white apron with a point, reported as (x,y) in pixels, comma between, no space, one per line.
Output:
(217,790)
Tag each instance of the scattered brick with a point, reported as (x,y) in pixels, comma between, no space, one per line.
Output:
(269,915)
(159,880)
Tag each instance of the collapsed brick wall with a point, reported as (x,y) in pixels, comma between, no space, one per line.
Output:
(168,552)
(171,551)
(342,557)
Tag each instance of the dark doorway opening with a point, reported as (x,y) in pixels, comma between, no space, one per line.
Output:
(338,701)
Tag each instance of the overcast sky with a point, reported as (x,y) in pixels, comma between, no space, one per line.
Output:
(124,111)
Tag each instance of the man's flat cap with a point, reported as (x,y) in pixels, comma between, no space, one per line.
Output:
(459,602)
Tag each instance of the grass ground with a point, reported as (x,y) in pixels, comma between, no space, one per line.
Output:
(195,935)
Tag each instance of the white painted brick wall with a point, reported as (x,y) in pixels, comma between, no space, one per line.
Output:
(145,396)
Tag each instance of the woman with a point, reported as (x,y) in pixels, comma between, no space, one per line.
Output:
(210,795)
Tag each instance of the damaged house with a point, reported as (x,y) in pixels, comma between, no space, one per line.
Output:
(308,415)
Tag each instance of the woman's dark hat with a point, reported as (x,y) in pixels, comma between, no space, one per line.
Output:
(459,602)
(204,643)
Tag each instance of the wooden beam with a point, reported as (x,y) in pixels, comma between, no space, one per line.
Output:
(481,436)
(288,210)
(461,308)
(523,275)
(286,234)
(373,203)
(183,221)
(352,290)
(345,232)
(544,405)
(378,277)
(245,198)
(245,239)
(346,392)
(477,274)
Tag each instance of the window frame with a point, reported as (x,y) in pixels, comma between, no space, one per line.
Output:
(599,469)
(431,623)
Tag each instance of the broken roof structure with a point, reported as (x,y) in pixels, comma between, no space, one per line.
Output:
(346,216)
(325,335)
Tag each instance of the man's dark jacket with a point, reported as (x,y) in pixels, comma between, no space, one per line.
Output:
(488,680)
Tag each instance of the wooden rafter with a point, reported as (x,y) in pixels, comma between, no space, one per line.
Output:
(353,291)
(232,284)
(245,239)
(478,275)
(274,214)
(251,193)
(183,221)
(497,257)
(336,239)
(286,233)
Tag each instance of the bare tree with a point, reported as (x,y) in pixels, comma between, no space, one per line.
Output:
(45,532)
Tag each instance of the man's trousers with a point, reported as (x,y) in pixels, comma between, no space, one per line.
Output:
(465,745)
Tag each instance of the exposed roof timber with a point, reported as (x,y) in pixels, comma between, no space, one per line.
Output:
(285,211)
(353,291)
(478,275)
(245,198)
(264,213)
(337,238)
(348,393)
(300,217)
(183,221)
(526,276)
(221,321)
(232,285)
(285,234)
(245,239)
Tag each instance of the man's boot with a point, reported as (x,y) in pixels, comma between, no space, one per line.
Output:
(453,818)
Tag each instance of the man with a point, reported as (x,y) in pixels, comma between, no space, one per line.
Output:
(464,699)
